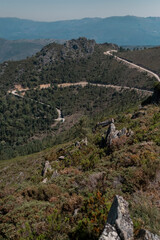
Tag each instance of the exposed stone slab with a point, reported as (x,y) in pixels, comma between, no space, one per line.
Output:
(109,233)
(119,218)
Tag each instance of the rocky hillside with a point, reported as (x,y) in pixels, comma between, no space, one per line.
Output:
(66,192)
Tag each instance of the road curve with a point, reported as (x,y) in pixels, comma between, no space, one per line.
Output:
(59,119)
(142,69)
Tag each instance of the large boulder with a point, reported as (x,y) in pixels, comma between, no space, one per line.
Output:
(119,218)
(109,233)
(146,235)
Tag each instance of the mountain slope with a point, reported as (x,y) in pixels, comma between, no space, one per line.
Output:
(28,121)
(148,58)
(128,30)
(70,198)
(20,49)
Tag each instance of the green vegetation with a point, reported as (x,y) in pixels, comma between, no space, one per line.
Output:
(28,126)
(148,58)
(72,199)
(59,64)
(75,201)
(21,119)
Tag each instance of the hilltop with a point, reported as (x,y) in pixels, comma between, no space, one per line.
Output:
(127,30)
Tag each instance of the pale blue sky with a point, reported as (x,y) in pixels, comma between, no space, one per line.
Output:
(53,10)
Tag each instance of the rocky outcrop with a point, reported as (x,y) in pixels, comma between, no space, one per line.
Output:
(47,167)
(146,235)
(109,233)
(119,225)
(72,49)
(83,142)
(113,134)
(119,217)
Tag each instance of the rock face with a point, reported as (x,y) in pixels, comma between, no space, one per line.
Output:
(119,225)
(146,235)
(119,217)
(72,49)
(109,233)
(113,134)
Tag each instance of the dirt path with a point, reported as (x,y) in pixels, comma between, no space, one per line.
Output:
(141,69)
(116,87)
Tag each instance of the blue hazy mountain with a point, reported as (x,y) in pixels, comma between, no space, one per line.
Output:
(128,30)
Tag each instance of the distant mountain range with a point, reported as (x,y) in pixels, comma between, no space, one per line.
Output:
(128,30)
(20,49)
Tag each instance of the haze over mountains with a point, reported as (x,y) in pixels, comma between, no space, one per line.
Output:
(127,30)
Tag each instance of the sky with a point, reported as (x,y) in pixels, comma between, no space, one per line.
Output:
(54,10)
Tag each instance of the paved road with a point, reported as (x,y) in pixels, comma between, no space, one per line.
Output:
(142,69)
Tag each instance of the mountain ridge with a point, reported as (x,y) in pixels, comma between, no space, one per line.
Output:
(127,30)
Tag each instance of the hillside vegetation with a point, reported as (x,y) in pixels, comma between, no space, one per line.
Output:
(28,123)
(148,58)
(75,61)
(72,199)
(106,143)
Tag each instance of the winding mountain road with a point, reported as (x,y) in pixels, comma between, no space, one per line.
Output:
(116,87)
(18,88)
(133,65)
(59,119)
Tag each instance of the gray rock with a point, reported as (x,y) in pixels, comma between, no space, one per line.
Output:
(130,133)
(45,180)
(109,233)
(112,133)
(55,174)
(119,218)
(47,167)
(85,141)
(76,212)
(122,132)
(146,235)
